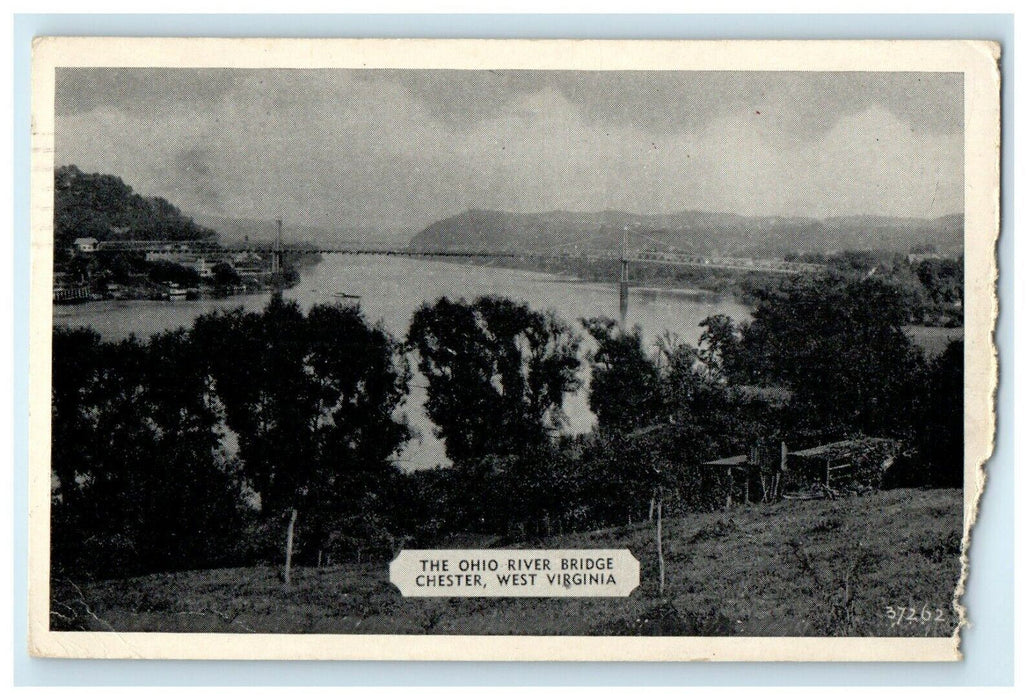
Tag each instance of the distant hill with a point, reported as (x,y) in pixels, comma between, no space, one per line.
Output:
(104,207)
(701,233)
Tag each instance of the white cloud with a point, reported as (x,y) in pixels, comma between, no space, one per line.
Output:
(331,149)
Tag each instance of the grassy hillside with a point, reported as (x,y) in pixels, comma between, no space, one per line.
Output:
(813,568)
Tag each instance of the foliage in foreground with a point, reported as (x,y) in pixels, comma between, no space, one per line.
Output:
(182,451)
(211,447)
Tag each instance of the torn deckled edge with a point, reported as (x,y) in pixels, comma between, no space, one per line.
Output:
(981,373)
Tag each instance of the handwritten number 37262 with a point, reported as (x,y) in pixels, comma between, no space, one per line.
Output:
(903,615)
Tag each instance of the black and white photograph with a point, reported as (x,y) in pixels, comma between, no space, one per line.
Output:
(388,351)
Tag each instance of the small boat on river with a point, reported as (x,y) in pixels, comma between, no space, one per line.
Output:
(352,298)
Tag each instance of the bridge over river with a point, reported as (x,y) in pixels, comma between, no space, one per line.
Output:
(770,265)
(276,250)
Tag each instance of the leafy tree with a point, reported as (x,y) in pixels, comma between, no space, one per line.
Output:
(941,429)
(141,483)
(943,279)
(528,492)
(497,374)
(719,346)
(838,344)
(121,266)
(660,419)
(312,400)
(618,476)
(625,386)
(942,282)
(224,275)
(170,272)
(77,359)
(363,380)
(710,415)
(196,487)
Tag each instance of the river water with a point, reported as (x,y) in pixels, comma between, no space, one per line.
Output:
(392,288)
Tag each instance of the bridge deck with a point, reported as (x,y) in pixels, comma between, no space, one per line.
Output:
(650,257)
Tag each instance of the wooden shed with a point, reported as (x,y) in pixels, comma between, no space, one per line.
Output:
(756,475)
(737,471)
(847,465)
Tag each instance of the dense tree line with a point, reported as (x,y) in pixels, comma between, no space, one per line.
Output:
(932,288)
(221,444)
(141,479)
(199,448)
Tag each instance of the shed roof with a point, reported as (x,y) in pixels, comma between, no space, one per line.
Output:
(843,447)
(727,461)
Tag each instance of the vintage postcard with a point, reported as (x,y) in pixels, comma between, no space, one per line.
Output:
(509,350)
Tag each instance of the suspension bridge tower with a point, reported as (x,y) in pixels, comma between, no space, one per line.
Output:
(277,260)
(623,282)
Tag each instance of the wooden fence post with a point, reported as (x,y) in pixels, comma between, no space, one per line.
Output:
(729,490)
(289,547)
(661,556)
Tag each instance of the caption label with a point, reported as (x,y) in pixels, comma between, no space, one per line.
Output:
(525,573)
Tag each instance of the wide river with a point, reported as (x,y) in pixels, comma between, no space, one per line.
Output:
(392,288)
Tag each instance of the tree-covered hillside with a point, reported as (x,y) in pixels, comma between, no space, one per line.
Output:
(104,207)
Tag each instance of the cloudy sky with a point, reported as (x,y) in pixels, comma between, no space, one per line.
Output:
(399,149)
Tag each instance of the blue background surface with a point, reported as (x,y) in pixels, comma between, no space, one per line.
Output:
(988,644)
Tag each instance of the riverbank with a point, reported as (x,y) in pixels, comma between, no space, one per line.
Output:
(173,274)
(155,292)
(743,286)
(735,286)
